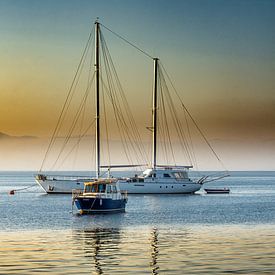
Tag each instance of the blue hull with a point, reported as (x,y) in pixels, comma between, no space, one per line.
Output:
(100,205)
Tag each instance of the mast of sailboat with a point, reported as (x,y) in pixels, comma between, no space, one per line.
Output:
(97,99)
(155,106)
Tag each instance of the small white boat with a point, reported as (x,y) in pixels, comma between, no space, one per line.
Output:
(224,190)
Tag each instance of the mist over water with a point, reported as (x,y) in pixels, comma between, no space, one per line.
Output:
(158,234)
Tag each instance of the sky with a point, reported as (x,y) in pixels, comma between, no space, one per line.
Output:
(220,54)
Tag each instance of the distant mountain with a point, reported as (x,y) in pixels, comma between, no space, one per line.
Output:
(2,135)
(6,136)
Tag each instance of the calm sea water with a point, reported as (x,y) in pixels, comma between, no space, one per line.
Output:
(158,234)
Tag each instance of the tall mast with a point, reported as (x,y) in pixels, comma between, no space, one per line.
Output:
(97,99)
(155,106)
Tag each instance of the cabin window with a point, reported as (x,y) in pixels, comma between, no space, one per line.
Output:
(114,189)
(101,188)
(180,175)
(94,188)
(109,190)
(141,180)
(166,176)
(91,189)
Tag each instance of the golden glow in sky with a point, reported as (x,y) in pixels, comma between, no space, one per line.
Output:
(220,55)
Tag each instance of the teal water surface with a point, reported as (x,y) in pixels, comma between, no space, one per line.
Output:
(158,234)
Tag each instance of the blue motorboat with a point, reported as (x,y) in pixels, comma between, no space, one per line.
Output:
(100,196)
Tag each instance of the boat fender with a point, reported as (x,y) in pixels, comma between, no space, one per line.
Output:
(51,188)
(100,202)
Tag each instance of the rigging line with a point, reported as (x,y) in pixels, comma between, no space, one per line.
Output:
(24,188)
(134,132)
(161,126)
(191,142)
(128,42)
(127,134)
(111,96)
(77,143)
(165,122)
(79,136)
(78,113)
(106,125)
(89,81)
(67,98)
(176,121)
(90,75)
(164,92)
(115,99)
(150,128)
(121,124)
(92,155)
(193,120)
(80,108)
(122,127)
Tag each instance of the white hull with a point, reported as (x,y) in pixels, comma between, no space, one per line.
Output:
(60,186)
(158,187)
(154,187)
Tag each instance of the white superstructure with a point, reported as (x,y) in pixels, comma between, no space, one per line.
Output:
(166,180)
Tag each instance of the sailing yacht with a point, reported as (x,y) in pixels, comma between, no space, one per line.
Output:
(156,178)
(164,179)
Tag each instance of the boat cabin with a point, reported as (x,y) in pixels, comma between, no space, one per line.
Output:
(165,172)
(106,186)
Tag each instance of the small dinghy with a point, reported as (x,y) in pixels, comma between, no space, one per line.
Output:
(217,190)
(100,196)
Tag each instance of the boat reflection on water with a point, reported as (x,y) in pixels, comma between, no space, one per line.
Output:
(154,251)
(100,244)
(114,249)
(141,250)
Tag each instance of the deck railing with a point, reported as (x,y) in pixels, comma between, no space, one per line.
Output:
(64,177)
